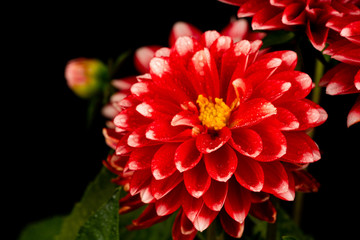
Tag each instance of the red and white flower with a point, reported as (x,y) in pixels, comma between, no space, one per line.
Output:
(344,46)
(313,15)
(212,131)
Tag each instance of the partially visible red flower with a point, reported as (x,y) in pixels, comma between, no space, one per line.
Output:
(213,130)
(344,38)
(290,14)
(344,46)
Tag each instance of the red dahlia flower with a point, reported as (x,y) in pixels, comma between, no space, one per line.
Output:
(211,131)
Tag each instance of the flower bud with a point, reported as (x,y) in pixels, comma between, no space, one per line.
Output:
(86,77)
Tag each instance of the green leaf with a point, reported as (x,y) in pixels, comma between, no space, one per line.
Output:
(42,230)
(97,193)
(277,38)
(104,223)
(286,228)
(287,238)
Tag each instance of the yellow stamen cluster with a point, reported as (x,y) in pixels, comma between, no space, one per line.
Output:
(213,115)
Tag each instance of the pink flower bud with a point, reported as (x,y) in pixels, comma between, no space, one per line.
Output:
(85,77)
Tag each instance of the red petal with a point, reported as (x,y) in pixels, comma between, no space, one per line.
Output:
(141,158)
(163,76)
(306,112)
(264,211)
(129,119)
(273,142)
(276,179)
(262,69)
(294,14)
(191,206)
(137,138)
(147,218)
(146,196)
(170,202)
(251,112)
(218,48)
(215,196)
(232,60)
(288,58)
(158,109)
(204,75)
(271,89)
(183,51)
(354,114)
(344,51)
(208,38)
(238,201)
(204,218)
(289,195)
(187,155)
(246,142)
(221,164)
(317,34)
(301,84)
(249,174)
(160,188)
(183,229)
(342,82)
(210,142)
(186,118)
(268,18)
(111,137)
(284,120)
(140,180)
(182,29)
(241,89)
(197,181)
(357,80)
(237,30)
(230,226)
(300,148)
(162,164)
(129,203)
(352,32)
(162,130)
(143,56)
(241,51)
(304,182)
(249,8)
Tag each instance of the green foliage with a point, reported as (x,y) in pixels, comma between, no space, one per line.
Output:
(286,228)
(98,192)
(104,223)
(277,38)
(96,217)
(97,203)
(42,230)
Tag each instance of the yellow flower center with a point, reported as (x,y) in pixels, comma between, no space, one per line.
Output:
(213,115)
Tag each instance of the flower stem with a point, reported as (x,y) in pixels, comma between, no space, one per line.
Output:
(315,97)
(318,73)
(271,231)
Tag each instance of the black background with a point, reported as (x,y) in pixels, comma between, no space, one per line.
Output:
(51,154)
